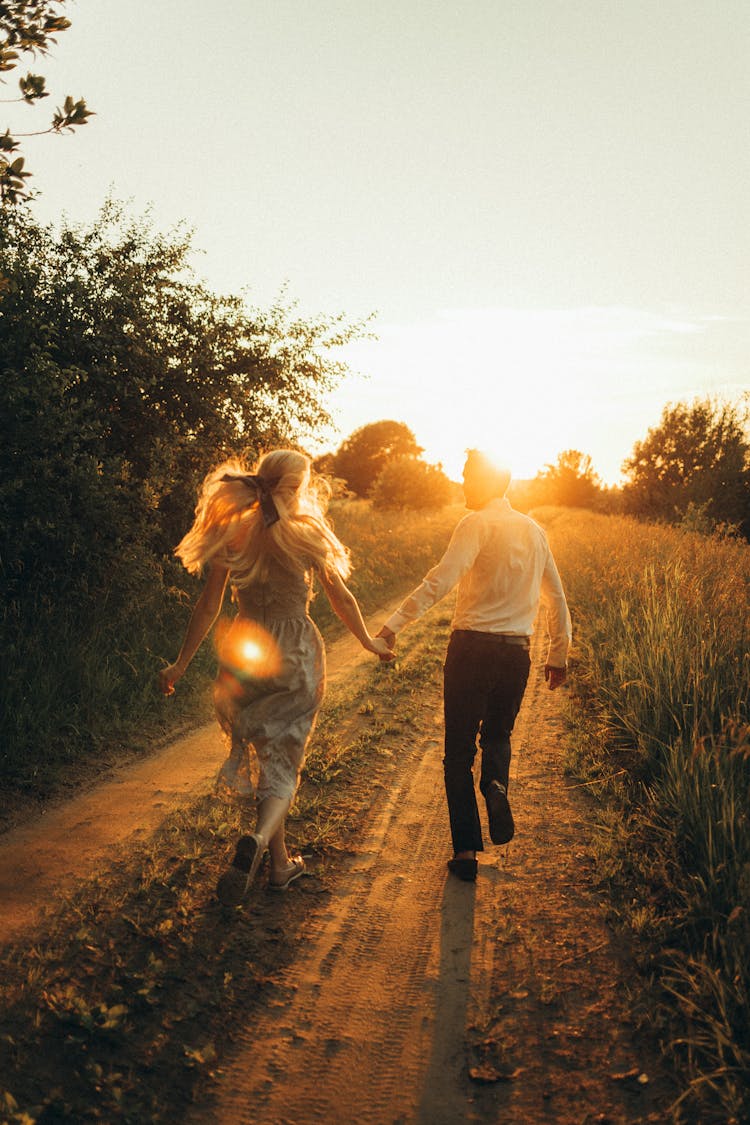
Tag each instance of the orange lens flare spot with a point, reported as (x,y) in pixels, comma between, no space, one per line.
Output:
(251,651)
(247,650)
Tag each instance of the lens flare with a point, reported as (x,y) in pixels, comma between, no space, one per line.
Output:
(251,652)
(247,650)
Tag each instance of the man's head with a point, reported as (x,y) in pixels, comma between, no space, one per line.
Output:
(483,479)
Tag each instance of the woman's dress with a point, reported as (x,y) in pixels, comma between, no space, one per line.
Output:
(270,685)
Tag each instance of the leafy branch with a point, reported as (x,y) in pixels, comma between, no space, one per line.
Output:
(30,27)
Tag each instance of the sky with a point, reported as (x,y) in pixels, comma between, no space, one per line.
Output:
(544,203)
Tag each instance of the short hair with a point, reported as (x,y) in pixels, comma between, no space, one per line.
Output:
(481,464)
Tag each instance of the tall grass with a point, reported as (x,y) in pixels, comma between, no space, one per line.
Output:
(79,675)
(663,677)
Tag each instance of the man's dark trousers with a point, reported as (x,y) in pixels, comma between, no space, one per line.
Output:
(484,680)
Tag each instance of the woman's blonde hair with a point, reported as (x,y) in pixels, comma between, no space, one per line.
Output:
(230,529)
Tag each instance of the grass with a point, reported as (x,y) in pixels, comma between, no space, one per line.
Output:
(660,733)
(125,1005)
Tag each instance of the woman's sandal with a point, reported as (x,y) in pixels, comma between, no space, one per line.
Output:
(235,882)
(293,871)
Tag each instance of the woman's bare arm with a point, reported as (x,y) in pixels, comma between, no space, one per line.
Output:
(205,612)
(345,606)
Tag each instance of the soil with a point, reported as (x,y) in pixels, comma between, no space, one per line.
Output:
(413,997)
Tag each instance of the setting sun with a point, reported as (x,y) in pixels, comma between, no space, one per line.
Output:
(524,385)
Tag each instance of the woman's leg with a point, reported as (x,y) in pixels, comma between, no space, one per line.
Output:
(271,829)
(269,833)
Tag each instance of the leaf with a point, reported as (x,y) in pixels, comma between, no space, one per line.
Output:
(485,1074)
(8,1102)
(117,1010)
(202,1055)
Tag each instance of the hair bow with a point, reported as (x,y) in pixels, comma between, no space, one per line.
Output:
(268,509)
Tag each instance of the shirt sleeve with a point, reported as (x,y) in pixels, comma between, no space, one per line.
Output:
(458,558)
(559,625)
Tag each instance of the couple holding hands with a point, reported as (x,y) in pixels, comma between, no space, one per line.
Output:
(265,533)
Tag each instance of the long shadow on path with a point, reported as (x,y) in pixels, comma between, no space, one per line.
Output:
(443,1101)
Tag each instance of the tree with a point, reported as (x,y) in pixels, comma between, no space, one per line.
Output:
(697,458)
(30,27)
(362,457)
(407,482)
(122,380)
(570,482)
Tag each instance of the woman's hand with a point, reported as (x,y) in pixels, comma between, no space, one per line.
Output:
(381,648)
(168,677)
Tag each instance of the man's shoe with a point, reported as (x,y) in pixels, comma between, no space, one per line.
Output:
(465,869)
(498,813)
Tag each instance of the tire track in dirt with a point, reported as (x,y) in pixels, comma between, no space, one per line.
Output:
(420,999)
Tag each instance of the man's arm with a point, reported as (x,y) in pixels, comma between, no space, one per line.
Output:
(458,558)
(559,625)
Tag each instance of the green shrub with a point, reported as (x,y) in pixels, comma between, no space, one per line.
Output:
(122,381)
(406,482)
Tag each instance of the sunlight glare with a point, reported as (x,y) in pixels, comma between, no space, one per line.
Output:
(524,384)
(247,650)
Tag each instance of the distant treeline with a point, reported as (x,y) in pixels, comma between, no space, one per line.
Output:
(692,468)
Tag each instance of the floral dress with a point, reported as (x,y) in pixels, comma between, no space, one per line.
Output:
(270,685)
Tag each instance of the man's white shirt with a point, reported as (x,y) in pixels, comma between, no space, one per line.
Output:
(504,568)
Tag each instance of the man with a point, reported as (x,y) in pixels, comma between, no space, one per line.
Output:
(503,566)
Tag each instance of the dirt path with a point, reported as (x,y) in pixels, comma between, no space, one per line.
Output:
(43,859)
(415,999)
(418,998)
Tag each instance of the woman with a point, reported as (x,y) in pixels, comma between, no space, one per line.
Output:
(266,534)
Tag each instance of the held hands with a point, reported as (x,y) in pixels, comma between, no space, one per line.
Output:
(381,648)
(168,677)
(388,638)
(555,677)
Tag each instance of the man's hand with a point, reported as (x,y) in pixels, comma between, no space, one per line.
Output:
(555,677)
(390,639)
